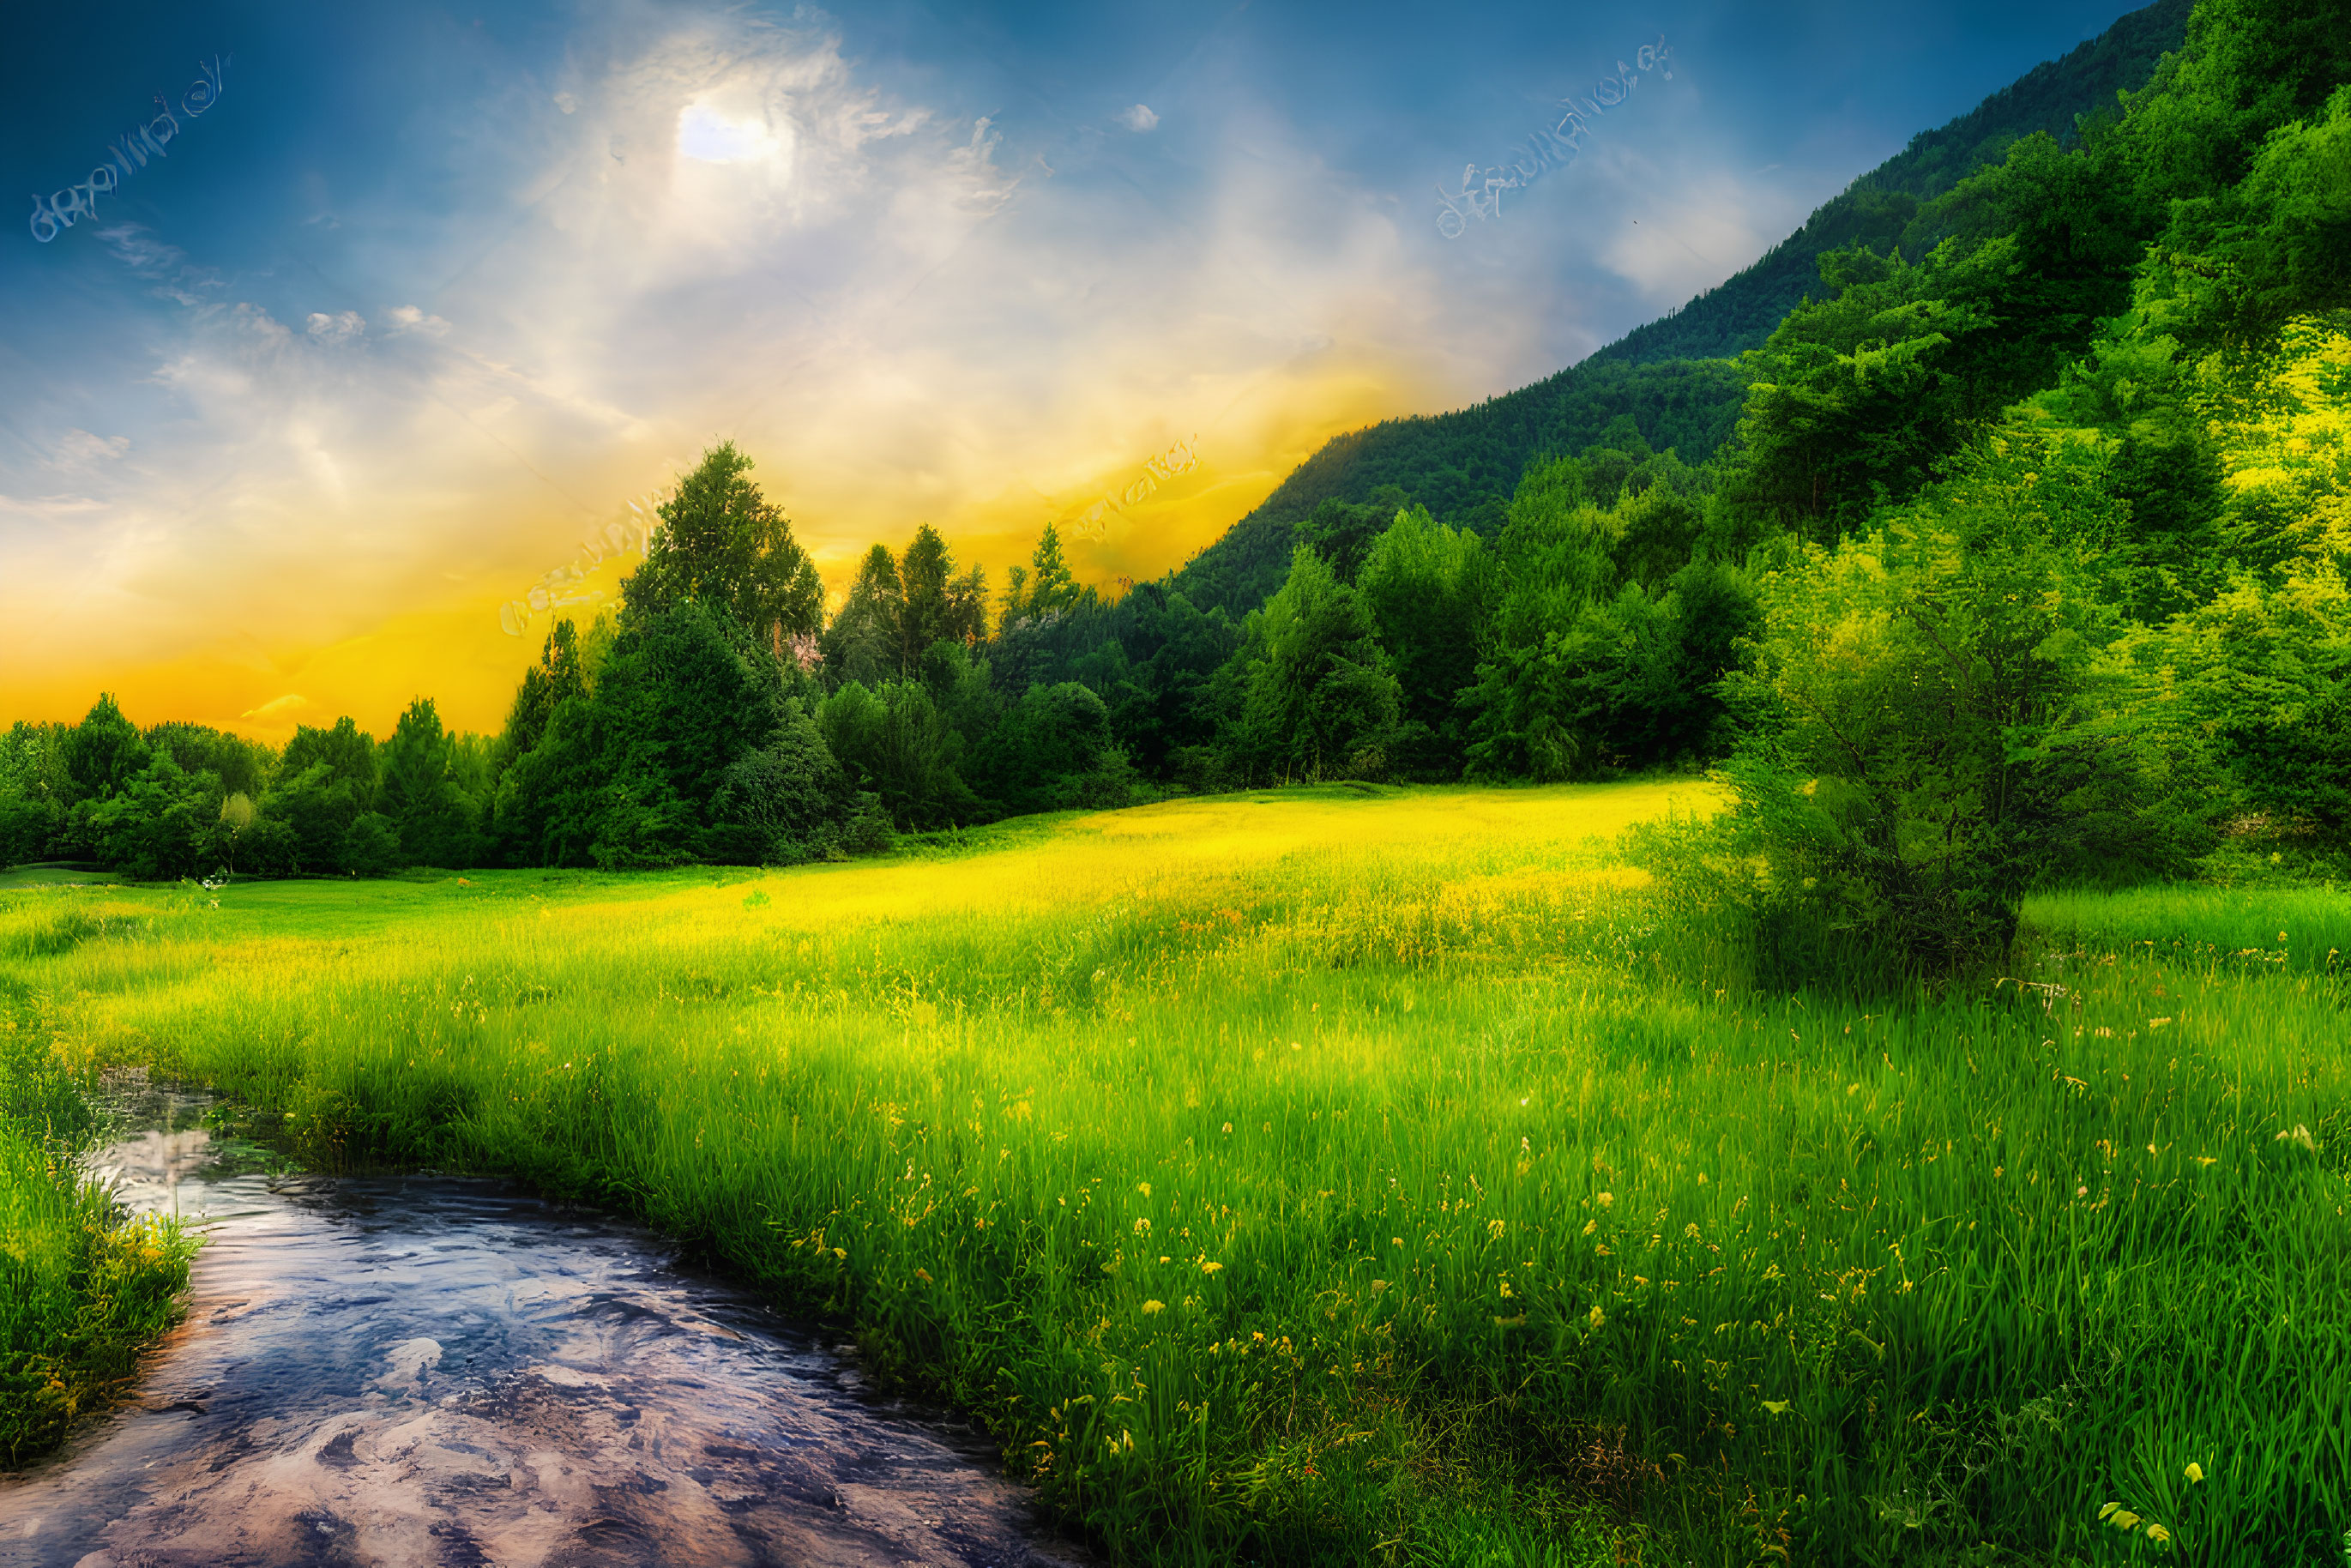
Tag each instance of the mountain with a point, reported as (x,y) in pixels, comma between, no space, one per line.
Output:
(1674,377)
(1882,209)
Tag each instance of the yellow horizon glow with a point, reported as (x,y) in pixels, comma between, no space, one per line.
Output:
(456,652)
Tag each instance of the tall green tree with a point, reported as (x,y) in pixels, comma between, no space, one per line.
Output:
(1314,694)
(939,605)
(104,752)
(1045,585)
(864,643)
(1429,589)
(432,815)
(723,543)
(559,675)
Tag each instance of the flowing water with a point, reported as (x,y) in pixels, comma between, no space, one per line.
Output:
(428,1371)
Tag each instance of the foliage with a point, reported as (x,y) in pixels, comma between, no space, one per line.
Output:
(1894,205)
(84,1287)
(431,814)
(893,742)
(1428,588)
(723,543)
(1312,694)
(1940,721)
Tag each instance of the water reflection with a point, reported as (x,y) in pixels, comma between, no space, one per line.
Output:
(438,1371)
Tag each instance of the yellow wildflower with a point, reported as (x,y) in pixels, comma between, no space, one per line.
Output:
(2195,1471)
(1153,1306)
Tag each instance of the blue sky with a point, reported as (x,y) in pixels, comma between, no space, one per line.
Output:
(297,421)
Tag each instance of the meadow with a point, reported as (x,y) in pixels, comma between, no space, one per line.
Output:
(1350,1175)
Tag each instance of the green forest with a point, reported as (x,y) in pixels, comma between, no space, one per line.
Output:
(2013,554)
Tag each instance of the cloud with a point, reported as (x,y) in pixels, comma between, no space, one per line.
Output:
(277,707)
(166,265)
(1140,118)
(338,328)
(411,319)
(78,450)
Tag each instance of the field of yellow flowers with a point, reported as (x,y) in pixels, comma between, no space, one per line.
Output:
(1351,1175)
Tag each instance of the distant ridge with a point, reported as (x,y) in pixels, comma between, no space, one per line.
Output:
(1674,376)
(1881,208)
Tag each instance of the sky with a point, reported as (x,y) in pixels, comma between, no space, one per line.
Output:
(347,386)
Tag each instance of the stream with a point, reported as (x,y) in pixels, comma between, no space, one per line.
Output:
(436,1371)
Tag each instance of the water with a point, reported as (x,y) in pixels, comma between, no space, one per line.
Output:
(429,1371)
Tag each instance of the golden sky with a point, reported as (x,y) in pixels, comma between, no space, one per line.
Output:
(284,455)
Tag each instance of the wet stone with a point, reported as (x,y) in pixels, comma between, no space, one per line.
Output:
(433,1372)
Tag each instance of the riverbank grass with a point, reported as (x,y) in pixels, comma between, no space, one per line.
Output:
(1315,1176)
(84,1287)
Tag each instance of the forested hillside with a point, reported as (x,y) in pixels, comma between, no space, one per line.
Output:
(1463,465)
(1883,208)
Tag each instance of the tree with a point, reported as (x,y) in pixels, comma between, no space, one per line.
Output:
(559,675)
(1317,696)
(346,751)
(162,823)
(1940,717)
(723,543)
(103,753)
(1045,586)
(431,816)
(1046,752)
(862,644)
(1429,589)
(938,605)
(894,743)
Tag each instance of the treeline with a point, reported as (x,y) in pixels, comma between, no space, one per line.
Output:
(2027,560)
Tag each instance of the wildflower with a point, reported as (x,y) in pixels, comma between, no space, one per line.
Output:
(2208,1160)
(2108,1512)
(1590,1226)
(1605,1199)
(1777,1406)
(1378,1285)
(1597,1318)
(2157,1534)
(1211,1267)
(1153,1306)
(2080,1192)
(1397,1240)
(2195,1471)
(1143,1187)
(923,1275)
(1228,1127)
(1494,1229)
(2125,1520)
(1143,1228)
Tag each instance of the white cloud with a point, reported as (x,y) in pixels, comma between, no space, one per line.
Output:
(338,328)
(409,318)
(78,450)
(1139,118)
(276,706)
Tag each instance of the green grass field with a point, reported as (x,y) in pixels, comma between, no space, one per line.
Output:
(1325,1177)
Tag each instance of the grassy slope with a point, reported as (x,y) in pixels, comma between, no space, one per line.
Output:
(1316,1175)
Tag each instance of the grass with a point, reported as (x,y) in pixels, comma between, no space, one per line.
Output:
(84,1287)
(1318,1177)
